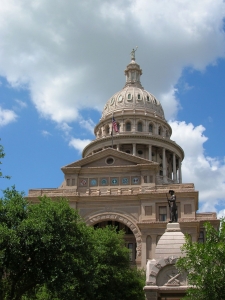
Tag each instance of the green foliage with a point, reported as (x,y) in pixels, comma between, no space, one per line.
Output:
(38,243)
(114,279)
(2,155)
(48,252)
(205,265)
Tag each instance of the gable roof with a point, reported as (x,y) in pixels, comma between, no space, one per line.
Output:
(133,160)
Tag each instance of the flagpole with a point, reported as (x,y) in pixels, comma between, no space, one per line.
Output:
(112,131)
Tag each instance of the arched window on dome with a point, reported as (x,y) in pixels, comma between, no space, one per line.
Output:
(160,130)
(139,126)
(139,97)
(167,133)
(107,130)
(150,128)
(128,126)
(100,132)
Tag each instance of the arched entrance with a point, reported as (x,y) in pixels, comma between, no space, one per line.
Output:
(129,238)
(132,233)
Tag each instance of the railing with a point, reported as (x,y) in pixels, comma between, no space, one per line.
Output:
(101,191)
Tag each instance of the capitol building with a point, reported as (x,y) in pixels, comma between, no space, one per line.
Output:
(125,174)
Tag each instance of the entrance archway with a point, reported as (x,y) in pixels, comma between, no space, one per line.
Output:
(121,219)
(129,238)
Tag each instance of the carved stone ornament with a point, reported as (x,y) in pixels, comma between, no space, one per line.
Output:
(169,276)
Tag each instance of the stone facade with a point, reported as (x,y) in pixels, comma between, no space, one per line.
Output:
(123,179)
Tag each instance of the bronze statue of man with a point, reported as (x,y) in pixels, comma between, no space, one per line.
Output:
(172,206)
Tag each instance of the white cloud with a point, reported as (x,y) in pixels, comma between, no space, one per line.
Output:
(65,128)
(87,124)
(205,172)
(7,116)
(79,144)
(20,104)
(66,54)
(46,133)
(221,214)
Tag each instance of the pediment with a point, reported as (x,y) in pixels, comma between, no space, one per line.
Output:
(109,158)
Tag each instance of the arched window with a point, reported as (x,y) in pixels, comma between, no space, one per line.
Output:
(107,129)
(150,128)
(128,126)
(160,131)
(129,96)
(139,97)
(139,126)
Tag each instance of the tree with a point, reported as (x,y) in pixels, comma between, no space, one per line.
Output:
(113,277)
(39,244)
(205,265)
(2,155)
(48,252)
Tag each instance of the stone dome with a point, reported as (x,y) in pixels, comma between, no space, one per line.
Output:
(133,96)
(170,242)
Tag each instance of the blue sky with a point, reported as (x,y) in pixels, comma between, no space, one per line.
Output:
(61,61)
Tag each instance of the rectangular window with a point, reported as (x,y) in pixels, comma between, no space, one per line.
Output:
(130,247)
(187,209)
(148,210)
(201,237)
(162,213)
(68,182)
(145,179)
(73,181)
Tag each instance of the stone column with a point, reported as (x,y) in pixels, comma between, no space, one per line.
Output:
(153,236)
(118,147)
(150,152)
(164,166)
(143,251)
(180,173)
(174,168)
(134,149)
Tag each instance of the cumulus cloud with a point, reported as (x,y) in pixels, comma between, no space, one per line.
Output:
(205,172)
(7,116)
(65,54)
(79,144)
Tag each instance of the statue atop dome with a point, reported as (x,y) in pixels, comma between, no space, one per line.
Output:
(133,53)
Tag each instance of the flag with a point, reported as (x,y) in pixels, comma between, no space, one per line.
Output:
(114,124)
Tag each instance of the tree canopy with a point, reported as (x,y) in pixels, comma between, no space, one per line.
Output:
(2,155)
(48,252)
(205,265)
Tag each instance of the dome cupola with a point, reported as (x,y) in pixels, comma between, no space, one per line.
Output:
(133,96)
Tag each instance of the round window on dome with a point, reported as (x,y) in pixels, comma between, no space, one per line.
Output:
(110,161)
(140,152)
